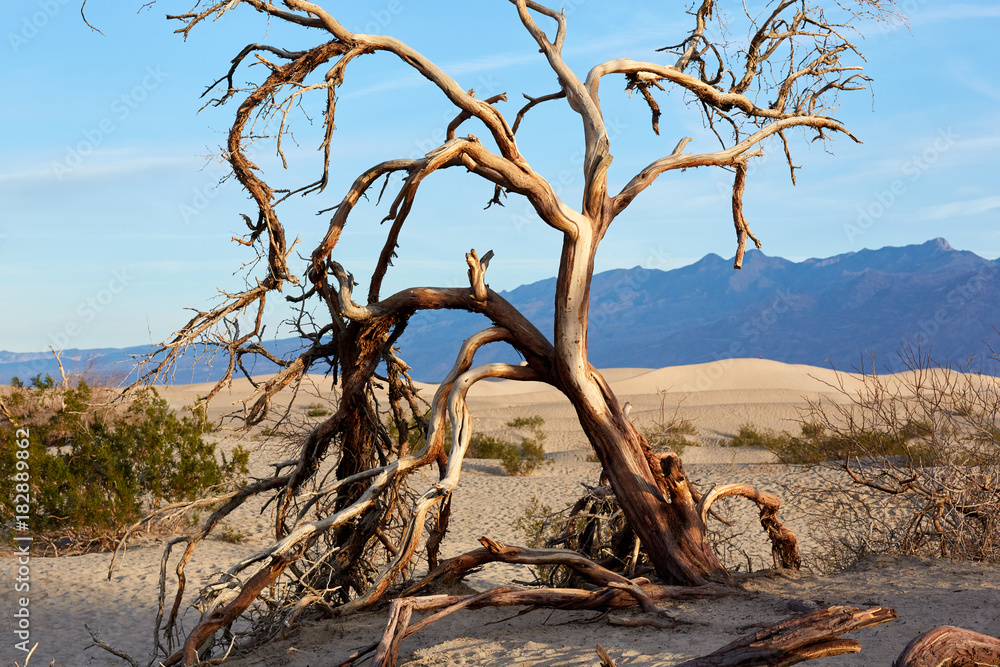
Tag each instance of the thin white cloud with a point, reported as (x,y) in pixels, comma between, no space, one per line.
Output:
(957,12)
(98,164)
(960,209)
(493,62)
(980,85)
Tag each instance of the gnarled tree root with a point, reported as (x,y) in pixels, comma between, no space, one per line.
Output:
(453,569)
(948,646)
(784,544)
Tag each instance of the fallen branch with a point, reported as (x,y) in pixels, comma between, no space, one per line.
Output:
(614,596)
(797,639)
(606,660)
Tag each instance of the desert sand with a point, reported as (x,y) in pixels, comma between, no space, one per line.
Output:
(67,592)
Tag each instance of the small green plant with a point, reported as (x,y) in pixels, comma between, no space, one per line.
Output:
(814,445)
(536,523)
(317,410)
(535,422)
(524,459)
(482,446)
(517,460)
(749,435)
(232,535)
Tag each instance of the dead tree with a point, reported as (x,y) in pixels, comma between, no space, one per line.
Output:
(344,540)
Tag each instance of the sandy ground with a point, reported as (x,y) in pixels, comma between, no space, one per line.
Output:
(68,592)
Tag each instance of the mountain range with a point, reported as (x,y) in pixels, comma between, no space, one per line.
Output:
(859,308)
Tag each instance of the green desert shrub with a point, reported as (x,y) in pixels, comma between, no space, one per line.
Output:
(518,460)
(815,445)
(97,468)
(524,459)
(232,535)
(317,410)
(534,422)
(482,446)
(749,435)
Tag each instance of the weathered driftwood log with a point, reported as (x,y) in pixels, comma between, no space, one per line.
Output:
(794,640)
(797,639)
(948,646)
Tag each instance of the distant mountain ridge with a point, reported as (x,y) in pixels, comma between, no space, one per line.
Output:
(835,311)
(819,312)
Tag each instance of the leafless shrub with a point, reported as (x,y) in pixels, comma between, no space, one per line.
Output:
(918,470)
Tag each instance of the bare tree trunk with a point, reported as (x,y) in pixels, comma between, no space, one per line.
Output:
(673,534)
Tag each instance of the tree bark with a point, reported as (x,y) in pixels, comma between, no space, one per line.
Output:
(659,506)
(948,646)
(672,533)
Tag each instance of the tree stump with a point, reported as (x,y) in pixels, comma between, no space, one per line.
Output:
(948,646)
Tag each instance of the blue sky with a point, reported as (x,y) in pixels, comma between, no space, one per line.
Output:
(115,218)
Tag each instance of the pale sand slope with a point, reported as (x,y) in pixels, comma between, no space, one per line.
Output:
(68,592)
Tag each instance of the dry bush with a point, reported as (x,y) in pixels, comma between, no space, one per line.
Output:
(668,430)
(909,464)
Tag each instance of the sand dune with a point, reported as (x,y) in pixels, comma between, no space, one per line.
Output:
(718,397)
